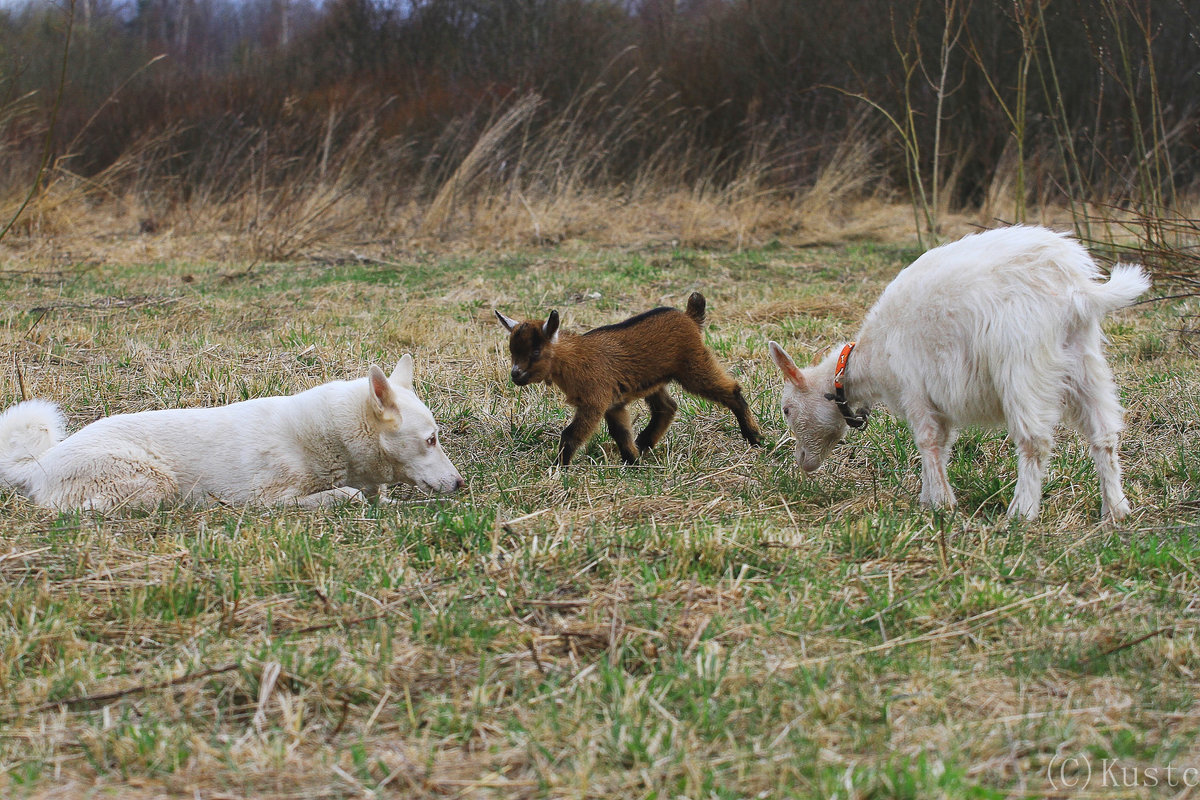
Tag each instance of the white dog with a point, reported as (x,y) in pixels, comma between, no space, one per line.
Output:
(342,440)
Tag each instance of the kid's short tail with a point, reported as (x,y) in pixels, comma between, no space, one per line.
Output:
(27,430)
(696,307)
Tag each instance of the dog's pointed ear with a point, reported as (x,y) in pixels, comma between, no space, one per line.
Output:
(382,396)
(507,322)
(788,367)
(550,327)
(403,373)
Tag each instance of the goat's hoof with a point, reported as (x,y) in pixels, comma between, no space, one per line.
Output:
(1022,514)
(941,504)
(1115,514)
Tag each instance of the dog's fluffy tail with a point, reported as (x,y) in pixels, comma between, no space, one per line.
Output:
(27,430)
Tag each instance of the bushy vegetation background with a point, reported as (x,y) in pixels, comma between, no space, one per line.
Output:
(426,115)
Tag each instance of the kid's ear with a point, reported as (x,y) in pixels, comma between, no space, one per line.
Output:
(508,322)
(403,373)
(788,367)
(383,398)
(550,327)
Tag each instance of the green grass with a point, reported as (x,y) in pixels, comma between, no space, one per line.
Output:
(707,624)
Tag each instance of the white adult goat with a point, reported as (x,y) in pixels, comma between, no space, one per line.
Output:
(1001,327)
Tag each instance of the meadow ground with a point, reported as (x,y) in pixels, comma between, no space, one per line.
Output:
(705,624)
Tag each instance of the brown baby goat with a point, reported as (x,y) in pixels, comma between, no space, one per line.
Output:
(605,369)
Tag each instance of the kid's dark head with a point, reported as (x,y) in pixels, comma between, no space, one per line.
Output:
(532,346)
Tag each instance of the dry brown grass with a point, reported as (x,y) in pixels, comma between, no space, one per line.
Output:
(332,223)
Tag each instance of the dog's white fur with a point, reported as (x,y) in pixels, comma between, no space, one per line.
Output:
(1001,327)
(339,441)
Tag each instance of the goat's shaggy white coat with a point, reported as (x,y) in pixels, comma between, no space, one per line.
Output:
(998,328)
(339,441)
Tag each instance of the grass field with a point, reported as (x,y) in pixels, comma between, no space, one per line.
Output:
(708,624)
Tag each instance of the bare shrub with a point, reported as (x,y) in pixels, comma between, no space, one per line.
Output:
(704,122)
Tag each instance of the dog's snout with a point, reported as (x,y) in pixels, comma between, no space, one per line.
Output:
(459,483)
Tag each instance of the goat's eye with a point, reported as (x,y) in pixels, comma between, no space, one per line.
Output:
(432,441)
(787,410)
(536,355)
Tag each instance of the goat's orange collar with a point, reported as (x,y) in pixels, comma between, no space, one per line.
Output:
(853,419)
(840,372)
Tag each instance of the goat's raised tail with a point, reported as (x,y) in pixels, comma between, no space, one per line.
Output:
(1126,282)
(695,307)
(27,430)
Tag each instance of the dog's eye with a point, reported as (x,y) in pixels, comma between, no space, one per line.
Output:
(787,410)
(432,441)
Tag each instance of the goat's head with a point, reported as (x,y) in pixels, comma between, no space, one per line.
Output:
(814,421)
(532,346)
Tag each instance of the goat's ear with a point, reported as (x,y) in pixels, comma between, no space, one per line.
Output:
(550,327)
(382,396)
(403,373)
(787,366)
(508,322)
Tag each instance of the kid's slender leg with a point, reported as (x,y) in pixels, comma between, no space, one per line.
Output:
(619,427)
(579,431)
(662,411)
